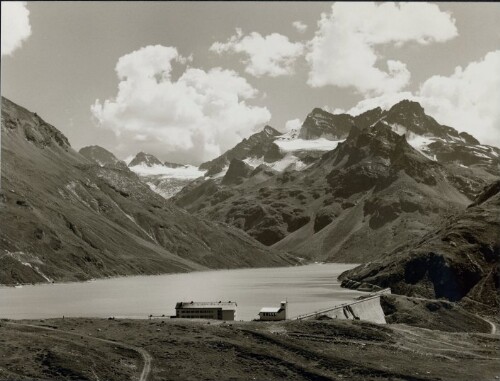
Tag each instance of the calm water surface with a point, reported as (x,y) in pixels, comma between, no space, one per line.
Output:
(307,289)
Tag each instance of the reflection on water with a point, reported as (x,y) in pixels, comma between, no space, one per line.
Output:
(307,288)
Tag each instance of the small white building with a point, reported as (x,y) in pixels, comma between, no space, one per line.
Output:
(274,313)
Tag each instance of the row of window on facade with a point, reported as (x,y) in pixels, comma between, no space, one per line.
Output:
(225,311)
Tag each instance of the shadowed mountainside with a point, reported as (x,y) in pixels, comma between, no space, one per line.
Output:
(458,261)
(259,144)
(65,217)
(369,195)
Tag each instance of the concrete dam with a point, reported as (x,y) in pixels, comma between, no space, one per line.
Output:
(368,309)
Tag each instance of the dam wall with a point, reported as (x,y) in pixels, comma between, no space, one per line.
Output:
(367,309)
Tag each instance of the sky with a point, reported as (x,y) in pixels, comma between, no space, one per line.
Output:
(186,81)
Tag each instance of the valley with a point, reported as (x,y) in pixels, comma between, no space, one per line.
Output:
(249,191)
(374,189)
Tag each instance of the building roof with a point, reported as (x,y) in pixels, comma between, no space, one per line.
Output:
(270,309)
(223,305)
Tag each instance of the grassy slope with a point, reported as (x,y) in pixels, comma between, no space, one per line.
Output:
(66,218)
(308,350)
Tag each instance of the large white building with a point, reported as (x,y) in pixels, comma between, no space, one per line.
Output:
(206,310)
(274,313)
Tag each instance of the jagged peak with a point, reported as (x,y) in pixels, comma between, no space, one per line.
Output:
(271,131)
(146,158)
(94,148)
(406,105)
(379,135)
(236,172)
(319,111)
(101,156)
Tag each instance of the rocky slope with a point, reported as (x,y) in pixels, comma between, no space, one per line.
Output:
(65,217)
(458,261)
(388,182)
(373,192)
(258,145)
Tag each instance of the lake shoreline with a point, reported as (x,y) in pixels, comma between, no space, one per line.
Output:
(304,263)
(308,288)
(19,285)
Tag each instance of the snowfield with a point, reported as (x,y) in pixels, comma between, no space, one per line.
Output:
(321,144)
(279,165)
(185,172)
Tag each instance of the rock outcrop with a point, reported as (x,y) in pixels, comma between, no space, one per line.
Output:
(458,261)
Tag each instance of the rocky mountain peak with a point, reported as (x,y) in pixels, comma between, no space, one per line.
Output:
(468,138)
(322,124)
(407,107)
(101,156)
(378,138)
(144,159)
(411,116)
(238,170)
(271,131)
(258,145)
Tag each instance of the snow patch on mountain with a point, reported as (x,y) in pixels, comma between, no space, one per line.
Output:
(221,173)
(419,142)
(184,172)
(288,162)
(320,144)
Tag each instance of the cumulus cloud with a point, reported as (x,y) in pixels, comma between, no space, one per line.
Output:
(293,124)
(385,102)
(272,55)
(343,50)
(193,118)
(300,26)
(467,99)
(16,26)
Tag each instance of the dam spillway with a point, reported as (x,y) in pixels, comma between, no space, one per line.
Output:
(366,309)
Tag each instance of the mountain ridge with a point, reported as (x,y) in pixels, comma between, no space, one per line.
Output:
(66,217)
(359,191)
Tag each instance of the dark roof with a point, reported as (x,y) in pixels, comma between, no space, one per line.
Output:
(222,305)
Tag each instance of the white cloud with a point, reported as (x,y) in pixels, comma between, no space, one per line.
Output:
(467,100)
(293,124)
(16,26)
(385,102)
(196,117)
(342,52)
(272,55)
(300,26)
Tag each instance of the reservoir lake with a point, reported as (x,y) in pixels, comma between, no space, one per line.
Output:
(306,288)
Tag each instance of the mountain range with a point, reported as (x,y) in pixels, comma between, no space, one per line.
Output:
(68,217)
(415,202)
(385,183)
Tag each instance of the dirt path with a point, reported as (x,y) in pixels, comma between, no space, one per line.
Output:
(146,370)
(493,325)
